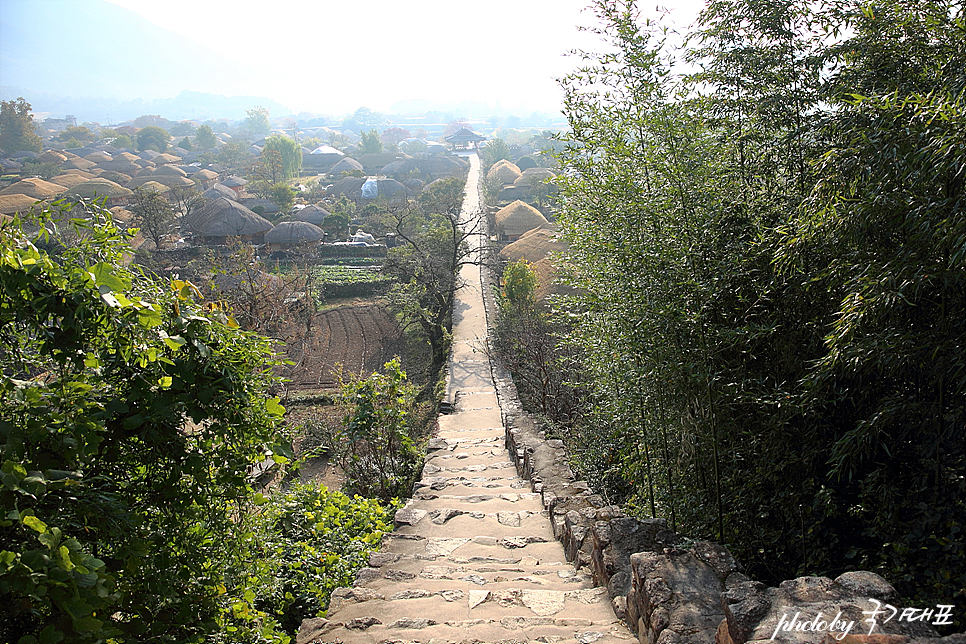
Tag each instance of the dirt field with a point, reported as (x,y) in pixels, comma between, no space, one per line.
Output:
(359,337)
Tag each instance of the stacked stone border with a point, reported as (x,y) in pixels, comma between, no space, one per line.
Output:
(670,590)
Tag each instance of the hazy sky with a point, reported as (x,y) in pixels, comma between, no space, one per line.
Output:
(332,56)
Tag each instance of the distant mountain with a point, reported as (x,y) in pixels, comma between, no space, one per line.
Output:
(94,59)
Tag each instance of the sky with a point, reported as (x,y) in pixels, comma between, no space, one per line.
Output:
(334,56)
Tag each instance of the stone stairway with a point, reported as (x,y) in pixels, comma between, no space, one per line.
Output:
(472,557)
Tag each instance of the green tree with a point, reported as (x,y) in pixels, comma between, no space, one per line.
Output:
(233,156)
(283,196)
(770,303)
(379,455)
(17,127)
(153,215)
(494,150)
(290,153)
(124,467)
(185,144)
(370,143)
(205,137)
(154,138)
(78,132)
(257,121)
(46,170)
(432,249)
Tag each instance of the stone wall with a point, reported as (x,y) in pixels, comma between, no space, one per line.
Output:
(671,591)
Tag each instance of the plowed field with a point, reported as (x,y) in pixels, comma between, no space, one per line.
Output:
(353,338)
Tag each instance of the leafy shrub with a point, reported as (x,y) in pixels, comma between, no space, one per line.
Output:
(379,456)
(304,543)
(131,414)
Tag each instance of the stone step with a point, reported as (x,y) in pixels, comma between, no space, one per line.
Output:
(508,629)
(446,576)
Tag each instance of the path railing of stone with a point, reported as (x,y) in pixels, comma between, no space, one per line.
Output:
(473,556)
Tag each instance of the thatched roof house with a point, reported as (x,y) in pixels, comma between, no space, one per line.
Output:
(293,233)
(502,172)
(537,247)
(162,159)
(217,191)
(171,181)
(98,188)
(205,177)
(533,175)
(514,220)
(69,180)
(313,214)
(345,165)
(223,218)
(117,177)
(36,189)
(351,187)
(154,186)
(98,157)
(77,164)
(14,203)
(428,168)
(375,162)
(170,170)
(51,156)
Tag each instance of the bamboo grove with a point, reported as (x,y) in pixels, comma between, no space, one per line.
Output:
(770,249)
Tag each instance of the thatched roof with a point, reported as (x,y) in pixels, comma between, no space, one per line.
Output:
(77,164)
(120,165)
(170,170)
(313,214)
(234,182)
(51,156)
(204,175)
(227,218)
(535,244)
(98,157)
(116,177)
(127,156)
(99,188)
(80,173)
(533,175)
(291,233)
(34,188)
(536,247)
(351,187)
(503,172)
(154,186)
(259,205)
(345,165)
(392,188)
(327,149)
(166,158)
(431,166)
(217,191)
(517,218)
(69,180)
(168,180)
(14,203)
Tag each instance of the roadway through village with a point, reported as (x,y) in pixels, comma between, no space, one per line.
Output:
(472,558)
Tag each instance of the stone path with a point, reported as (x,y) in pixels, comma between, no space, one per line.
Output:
(472,558)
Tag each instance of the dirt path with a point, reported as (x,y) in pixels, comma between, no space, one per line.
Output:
(472,558)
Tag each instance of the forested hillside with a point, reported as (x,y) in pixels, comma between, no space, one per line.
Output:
(771,256)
